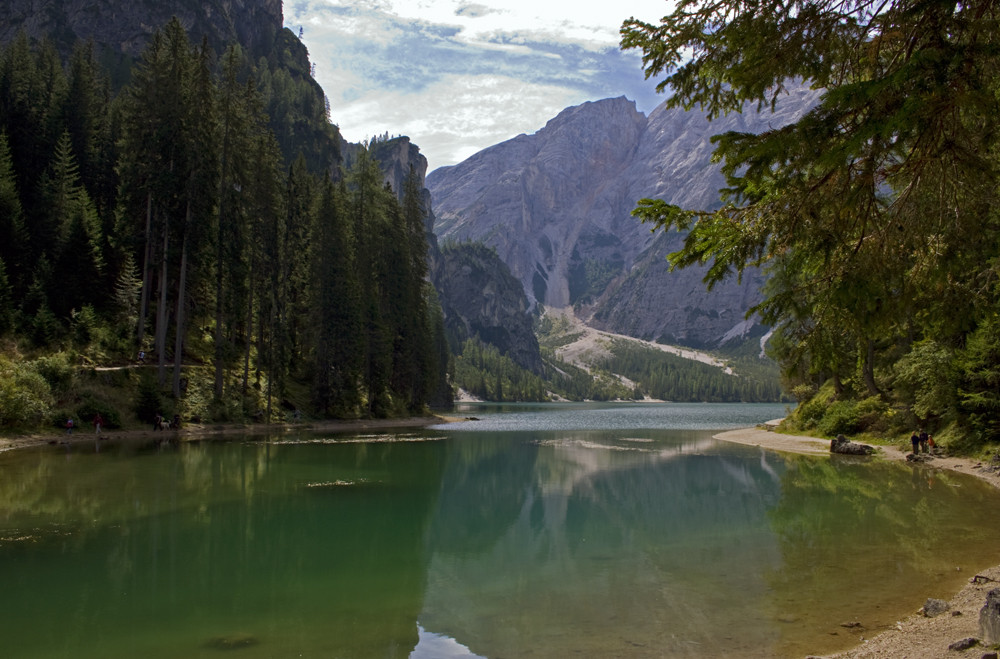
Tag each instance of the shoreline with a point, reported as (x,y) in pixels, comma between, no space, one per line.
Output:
(194,431)
(916,635)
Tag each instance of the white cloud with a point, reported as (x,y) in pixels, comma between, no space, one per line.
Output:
(457,76)
(456,117)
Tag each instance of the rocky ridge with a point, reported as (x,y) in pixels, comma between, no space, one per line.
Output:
(126,27)
(556,206)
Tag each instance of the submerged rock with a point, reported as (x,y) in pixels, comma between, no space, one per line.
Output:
(233,642)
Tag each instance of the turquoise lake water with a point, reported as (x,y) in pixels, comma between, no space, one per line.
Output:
(535,531)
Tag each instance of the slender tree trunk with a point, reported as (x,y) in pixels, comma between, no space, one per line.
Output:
(260,345)
(838,385)
(219,339)
(161,314)
(270,375)
(181,300)
(869,369)
(249,333)
(220,275)
(147,255)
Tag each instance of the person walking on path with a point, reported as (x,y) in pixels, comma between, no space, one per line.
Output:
(98,422)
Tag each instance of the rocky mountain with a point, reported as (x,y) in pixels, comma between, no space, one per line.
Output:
(396,158)
(556,207)
(125,27)
(481,299)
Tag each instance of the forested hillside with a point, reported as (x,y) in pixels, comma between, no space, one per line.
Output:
(198,215)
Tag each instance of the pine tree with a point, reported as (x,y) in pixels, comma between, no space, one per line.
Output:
(337,309)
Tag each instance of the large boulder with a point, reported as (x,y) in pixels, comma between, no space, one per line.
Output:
(989,618)
(844,446)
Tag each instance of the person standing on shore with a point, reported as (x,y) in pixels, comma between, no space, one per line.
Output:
(915,440)
(98,422)
(923,440)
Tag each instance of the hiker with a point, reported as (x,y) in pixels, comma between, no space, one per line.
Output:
(98,422)
(923,440)
(69,426)
(157,422)
(915,440)
(142,356)
(176,423)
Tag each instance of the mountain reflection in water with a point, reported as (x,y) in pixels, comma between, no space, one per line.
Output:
(472,541)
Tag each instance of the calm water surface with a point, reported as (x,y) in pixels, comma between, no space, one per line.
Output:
(534,531)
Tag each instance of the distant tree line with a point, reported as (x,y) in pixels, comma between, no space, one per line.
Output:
(166,218)
(664,376)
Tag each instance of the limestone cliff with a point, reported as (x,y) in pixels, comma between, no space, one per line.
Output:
(481,299)
(557,206)
(396,158)
(126,26)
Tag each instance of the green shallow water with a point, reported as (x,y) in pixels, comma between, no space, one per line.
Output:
(537,531)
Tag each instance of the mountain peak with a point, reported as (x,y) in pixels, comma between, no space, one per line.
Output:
(557,206)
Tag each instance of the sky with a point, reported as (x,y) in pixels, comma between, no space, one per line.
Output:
(457,76)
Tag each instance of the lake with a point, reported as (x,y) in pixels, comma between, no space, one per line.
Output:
(546,530)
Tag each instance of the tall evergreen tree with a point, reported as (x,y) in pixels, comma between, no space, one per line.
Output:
(337,306)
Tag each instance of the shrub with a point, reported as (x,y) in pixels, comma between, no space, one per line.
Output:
(810,412)
(57,371)
(840,418)
(91,406)
(25,396)
(148,400)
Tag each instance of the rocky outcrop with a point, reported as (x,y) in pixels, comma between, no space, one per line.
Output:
(989,618)
(557,206)
(396,158)
(844,446)
(480,298)
(125,27)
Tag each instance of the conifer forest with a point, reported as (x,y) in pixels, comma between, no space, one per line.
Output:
(201,214)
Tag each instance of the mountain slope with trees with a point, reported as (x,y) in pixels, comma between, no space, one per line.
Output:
(171,217)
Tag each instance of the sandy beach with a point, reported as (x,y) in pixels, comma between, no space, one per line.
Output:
(916,636)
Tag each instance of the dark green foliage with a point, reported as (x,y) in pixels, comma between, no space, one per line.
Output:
(481,370)
(91,406)
(669,377)
(181,218)
(25,395)
(875,214)
(148,400)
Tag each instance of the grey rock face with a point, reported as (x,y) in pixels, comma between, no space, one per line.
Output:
(126,26)
(934,607)
(557,206)
(989,618)
(480,298)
